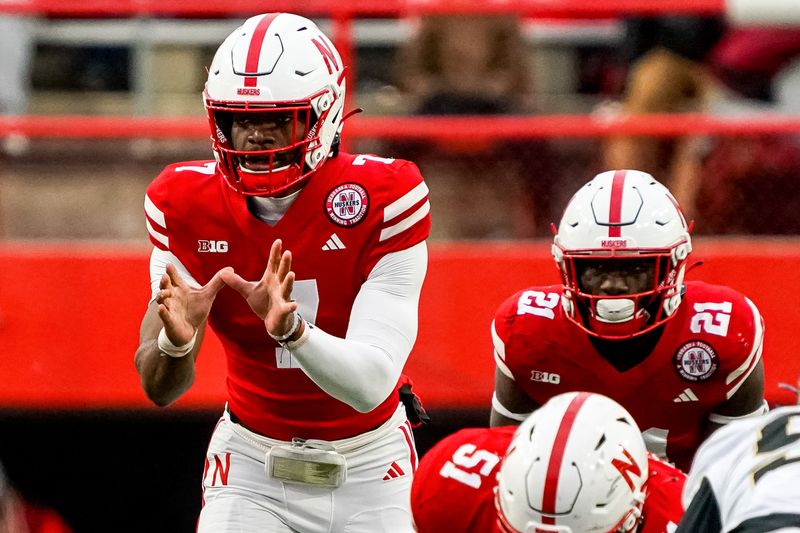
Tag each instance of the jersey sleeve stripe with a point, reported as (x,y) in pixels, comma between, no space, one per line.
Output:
(740,374)
(500,408)
(155,214)
(158,267)
(500,354)
(160,237)
(725,419)
(501,365)
(403,225)
(405,202)
(499,345)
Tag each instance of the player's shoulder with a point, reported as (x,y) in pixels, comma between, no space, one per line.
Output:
(662,505)
(376,166)
(541,296)
(530,311)
(386,178)
(740,313)
(661,472)
(718,453)
(490,439)
(742,434)
(172,195)
(698,292)
(182,176)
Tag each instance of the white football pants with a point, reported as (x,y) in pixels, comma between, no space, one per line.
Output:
(240,497)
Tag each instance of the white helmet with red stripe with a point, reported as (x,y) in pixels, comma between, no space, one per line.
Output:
(276,62)
(622,219)
(577,464)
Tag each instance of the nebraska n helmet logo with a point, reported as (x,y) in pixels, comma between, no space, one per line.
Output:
(626,468)
(347,204)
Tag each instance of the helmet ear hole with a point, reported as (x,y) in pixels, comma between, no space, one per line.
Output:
(323,103)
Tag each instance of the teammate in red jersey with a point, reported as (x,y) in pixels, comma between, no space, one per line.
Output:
(327,253)
(577,464)
(682,357)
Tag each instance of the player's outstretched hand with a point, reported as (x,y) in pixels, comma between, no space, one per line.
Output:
(183,308)
(270,297)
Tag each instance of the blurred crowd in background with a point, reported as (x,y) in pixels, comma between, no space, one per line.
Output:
(429,65)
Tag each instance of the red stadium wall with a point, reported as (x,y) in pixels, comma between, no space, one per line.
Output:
(69,318)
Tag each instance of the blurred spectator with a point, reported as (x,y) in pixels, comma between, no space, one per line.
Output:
(476,65)
(16,40)
(20,516)
(754,62)
(466,64)
(757,69)
(668,74)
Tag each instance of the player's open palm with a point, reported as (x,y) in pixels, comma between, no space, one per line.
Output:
(182,308)
(270,297)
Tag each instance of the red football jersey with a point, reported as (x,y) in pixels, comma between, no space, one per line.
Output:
(704,354)
(454,485)
(662,505)
(352,212)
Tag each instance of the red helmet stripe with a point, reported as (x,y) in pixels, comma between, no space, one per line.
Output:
(615,209)
(254,51)
(557,456)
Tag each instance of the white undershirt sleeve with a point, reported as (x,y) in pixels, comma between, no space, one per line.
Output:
(362,369)
(158,267)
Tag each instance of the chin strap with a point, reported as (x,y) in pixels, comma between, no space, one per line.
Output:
(351,113)
(338,138)
(697,263)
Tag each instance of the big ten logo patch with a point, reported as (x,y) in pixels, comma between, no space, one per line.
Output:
(545,377)
(214,247)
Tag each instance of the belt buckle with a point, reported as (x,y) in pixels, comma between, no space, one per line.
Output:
(307,462)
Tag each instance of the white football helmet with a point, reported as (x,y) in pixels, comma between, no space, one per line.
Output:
(628,217)
(578,464)
(276,62)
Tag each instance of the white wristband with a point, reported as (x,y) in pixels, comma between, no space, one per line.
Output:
(165,345)
(301,340)
(296,319)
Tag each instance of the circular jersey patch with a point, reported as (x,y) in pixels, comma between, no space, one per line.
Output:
(695,361)
(347,204)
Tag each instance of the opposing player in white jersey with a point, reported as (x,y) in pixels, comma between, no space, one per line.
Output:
(314,437)
(746,477)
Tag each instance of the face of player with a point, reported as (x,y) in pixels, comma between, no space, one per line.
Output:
(270,130)
(615,277)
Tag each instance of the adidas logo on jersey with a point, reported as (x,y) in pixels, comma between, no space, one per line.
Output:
(334,243)
(686,396)
(394,471)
